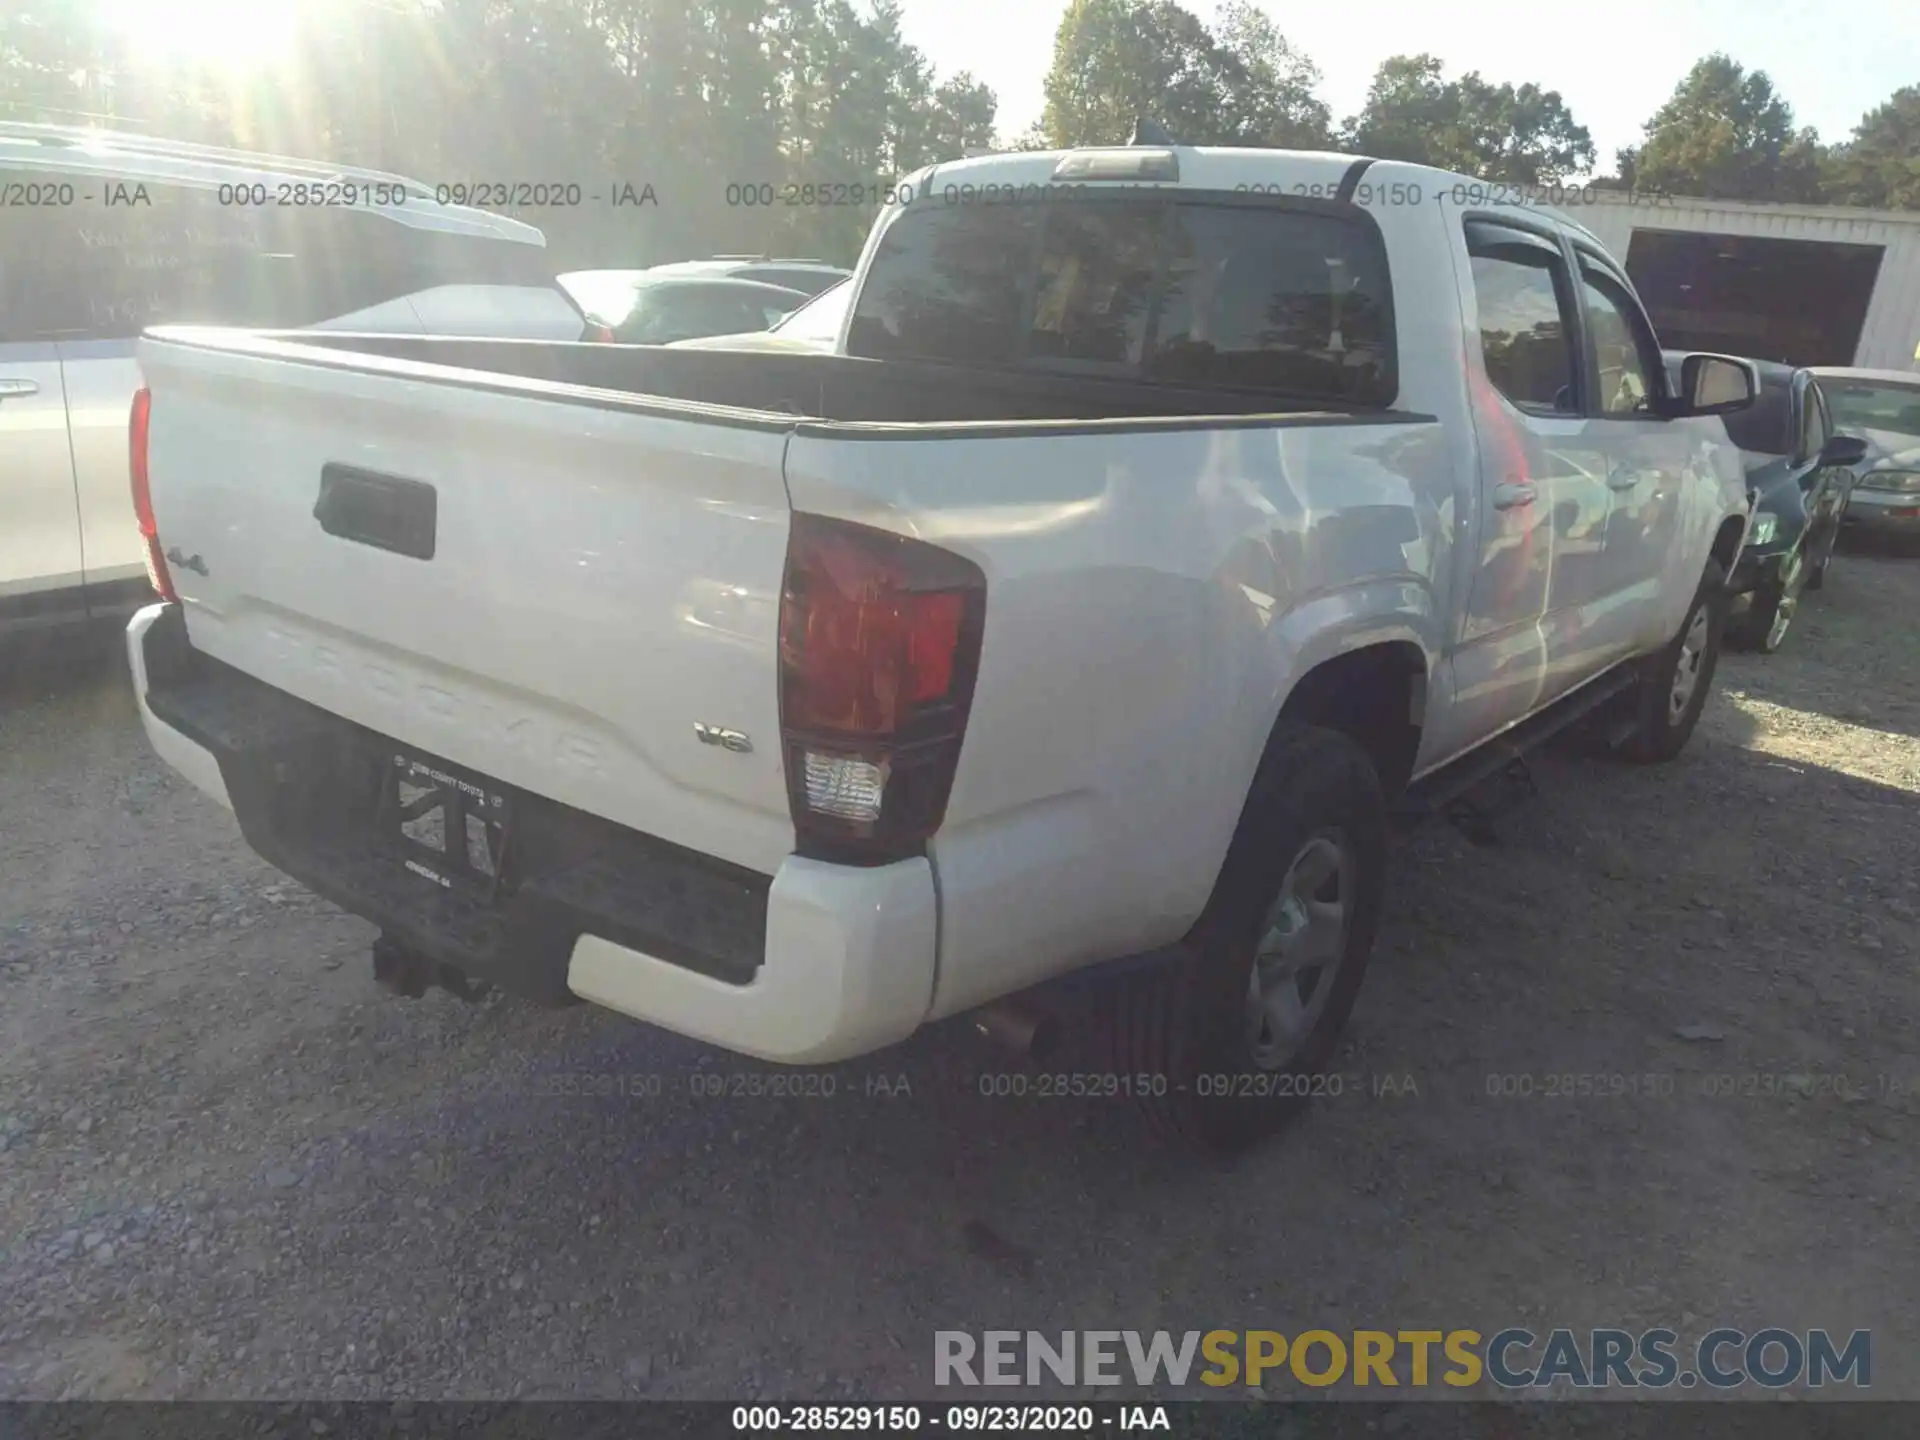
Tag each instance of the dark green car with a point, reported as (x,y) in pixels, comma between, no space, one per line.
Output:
(1799,473)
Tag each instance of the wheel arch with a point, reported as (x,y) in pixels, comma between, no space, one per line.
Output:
(1728,541)
(1376,695)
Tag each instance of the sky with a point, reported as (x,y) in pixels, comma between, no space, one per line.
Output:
(1613,64)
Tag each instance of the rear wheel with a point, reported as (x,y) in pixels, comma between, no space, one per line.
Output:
(1675,680)
(1237,1032)
(1817,571)
(1765,625)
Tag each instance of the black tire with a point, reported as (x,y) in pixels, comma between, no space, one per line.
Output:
(1660,732)
(1770,619)
(1753,631)
(1817,576)
(1189,1021)
(1740,634)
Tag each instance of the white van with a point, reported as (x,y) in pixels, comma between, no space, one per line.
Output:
(103,234)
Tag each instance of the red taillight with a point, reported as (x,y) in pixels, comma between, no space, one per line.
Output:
(137,426)
(879,643)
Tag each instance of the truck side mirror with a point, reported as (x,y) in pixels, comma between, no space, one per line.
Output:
(1715,385)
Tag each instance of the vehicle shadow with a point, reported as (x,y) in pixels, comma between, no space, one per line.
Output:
(817,1241)
(36,664)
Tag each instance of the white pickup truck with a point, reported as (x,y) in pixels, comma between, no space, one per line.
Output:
(1161,521)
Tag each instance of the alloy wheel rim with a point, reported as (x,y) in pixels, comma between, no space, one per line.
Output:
(1301,948)
(1790,588)
(1782,621)
(1686,675)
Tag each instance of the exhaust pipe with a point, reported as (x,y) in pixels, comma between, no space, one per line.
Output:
(407,972)
(1027,1032)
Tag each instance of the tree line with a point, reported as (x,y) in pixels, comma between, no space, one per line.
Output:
(773,125)
(694,111)
(1725,133)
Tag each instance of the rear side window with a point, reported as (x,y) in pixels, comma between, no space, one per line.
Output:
(1521,290)
(1206,294)
(174,254)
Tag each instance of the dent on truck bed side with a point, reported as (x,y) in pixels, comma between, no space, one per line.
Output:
(1151,598)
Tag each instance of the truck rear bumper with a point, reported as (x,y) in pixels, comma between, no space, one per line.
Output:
(194,761)
(818,963)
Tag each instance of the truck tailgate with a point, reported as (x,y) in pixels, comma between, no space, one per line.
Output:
(552,591)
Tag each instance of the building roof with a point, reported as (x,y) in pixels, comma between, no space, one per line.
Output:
(1888,377)
(1667,204)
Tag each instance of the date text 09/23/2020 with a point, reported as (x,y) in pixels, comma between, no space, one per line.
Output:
(1463,194)
(952,1419)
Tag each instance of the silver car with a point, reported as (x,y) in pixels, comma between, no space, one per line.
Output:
(643,307)
(1883,408)
(813,329)
(104,233)
(809,277)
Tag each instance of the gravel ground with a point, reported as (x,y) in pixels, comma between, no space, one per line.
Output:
(230,1167)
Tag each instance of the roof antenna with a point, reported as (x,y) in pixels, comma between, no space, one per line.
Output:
(1151,132)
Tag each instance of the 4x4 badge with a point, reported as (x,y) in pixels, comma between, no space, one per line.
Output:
(195,564)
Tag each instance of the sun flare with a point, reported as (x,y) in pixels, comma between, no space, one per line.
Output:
(228,34)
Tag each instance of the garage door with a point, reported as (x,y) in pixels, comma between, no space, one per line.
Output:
(1800,302)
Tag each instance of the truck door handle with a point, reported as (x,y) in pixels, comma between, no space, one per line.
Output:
(18,387)
(1509,497)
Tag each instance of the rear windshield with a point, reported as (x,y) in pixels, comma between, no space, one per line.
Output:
(806,281)
(1199,293)
(1859,406)
(820,318)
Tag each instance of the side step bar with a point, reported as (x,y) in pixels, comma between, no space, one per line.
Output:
(1430,795)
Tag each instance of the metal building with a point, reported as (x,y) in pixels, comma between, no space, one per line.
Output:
(1805,284)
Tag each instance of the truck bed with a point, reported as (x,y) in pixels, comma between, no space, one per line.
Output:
(834,388)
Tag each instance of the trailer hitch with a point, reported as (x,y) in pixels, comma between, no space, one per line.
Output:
(407,971)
